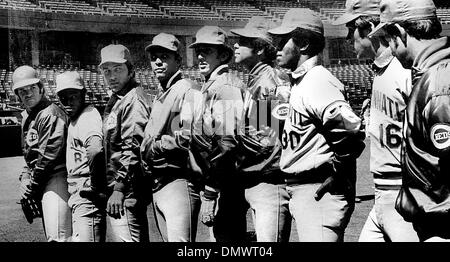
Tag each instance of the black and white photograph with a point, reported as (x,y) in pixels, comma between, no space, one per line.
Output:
(243,123)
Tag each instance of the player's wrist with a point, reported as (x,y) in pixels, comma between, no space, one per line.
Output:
(210,194)
(119,186)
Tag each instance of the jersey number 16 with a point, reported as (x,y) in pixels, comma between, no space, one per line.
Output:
(392,138)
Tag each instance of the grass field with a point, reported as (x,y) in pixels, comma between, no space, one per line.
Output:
(14,227)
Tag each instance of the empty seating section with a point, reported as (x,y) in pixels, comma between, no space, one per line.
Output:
(329,10)
(70,7)
(20,5)
(278,8)
(339,4)
(331,14)
(186,9)
(4,5)
(117,8)
(236,10)
(444,15)
(356,78)
(146,11)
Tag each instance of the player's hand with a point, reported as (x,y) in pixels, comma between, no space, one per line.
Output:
(324,188)
(168,142)
(25,188)
(208,210)
(334,185)
(114,206)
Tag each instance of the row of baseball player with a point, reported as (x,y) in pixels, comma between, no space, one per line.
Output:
(283,146)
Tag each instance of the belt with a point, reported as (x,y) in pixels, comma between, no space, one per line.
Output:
(312,176)
(164,176)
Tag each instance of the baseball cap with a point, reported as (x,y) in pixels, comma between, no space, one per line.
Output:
(68,80)
(393,11)
(357,8)
(256,27)
(115,54)
(211,35)
(299,17)
(24,76)
(166,41)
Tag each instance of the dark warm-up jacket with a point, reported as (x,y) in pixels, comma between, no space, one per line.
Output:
(123,131)
(426,146)
(44,132)
(259,140)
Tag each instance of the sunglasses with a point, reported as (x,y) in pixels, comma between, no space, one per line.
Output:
(204,51)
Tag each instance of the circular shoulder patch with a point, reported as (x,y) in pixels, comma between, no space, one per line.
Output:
(281,111)
(440,136)
(32,137)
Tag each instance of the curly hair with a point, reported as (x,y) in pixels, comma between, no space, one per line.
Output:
(270,51)
(314,41)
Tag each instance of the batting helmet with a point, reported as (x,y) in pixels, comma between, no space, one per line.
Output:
(24,76)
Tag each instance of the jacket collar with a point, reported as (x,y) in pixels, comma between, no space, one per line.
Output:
(43,103)
(305,67)
(218,71)
(382,60)
(30,115)
(214,75)
(175,78)
(431,55)
(127,88)
(257,69)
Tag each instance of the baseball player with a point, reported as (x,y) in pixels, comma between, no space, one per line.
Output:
(391,81)
(124,120)
(84,160)
(44,179)
(213,142)
(259,143)
(321,138)
(176,193)
(413,30)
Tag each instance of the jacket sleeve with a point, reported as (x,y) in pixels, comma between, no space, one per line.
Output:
(227,114)
(259,129)
(51,146)
(437,118)
(341,128)
(175,140)
(134,117)
(190,112)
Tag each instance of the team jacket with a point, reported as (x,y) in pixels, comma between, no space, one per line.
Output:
(391,82)
(259,144)
(321,127)
(213,143)
(173,112)
(44,132)
(426,148)
(123,131)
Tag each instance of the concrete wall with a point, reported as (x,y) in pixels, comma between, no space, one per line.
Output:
(50,34)
(129,25)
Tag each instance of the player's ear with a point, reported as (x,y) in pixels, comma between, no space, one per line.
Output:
(403,34)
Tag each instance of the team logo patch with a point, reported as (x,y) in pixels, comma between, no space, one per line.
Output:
(440,136)
(32,137)
(281,111)
(111,122)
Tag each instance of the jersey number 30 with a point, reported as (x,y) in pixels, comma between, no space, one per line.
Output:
(293,140)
